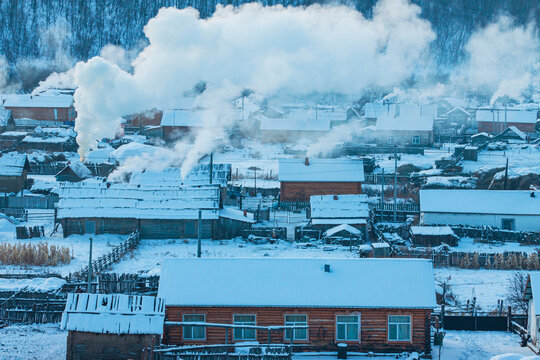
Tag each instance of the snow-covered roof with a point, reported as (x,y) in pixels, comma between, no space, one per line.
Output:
(405,122)
(380,245)
(12,164)
(484,134)
(514,130)
(338,221)
(113,314)
(376,110)
(432,230)
(512,116)
(105,200)
(172,177)
(351,283)
(99,156)
(342,227)
(328,170)
(458,108)
(339,206)
(303,120)
(79,169)
(39,101)
(504,202)
(5,115)
(134,149)
(236,214)
(182,117)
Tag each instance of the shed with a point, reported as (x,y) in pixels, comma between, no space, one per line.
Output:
(328,211)
(172,176)
(301,178)
(112,326)
(13,172)
(480,138)
(431,236)
(380,305)
(511,134)
(75,171)
(381,249)
(505,209)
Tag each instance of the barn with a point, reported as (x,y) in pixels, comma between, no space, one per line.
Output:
(379,305)
(301,178)
(45,109)
(431,236)
(112,326)
(13,172)
(505,209)
(497,120)
(327,211)
(158,212)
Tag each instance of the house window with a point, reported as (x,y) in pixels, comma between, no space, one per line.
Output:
(507,224)
(194,332)
(55,114)
(416,140)
(90,227)
(399,328)
(243,333)
(390,140)
(347,327)
(296,320)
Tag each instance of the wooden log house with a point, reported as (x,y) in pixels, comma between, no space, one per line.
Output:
(379,305)
(13,172)
(301,178)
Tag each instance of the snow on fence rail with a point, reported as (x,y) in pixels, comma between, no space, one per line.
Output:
(225,352)
(105,261)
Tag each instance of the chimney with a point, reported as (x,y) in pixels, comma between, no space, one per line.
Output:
(306,161)
(245,213)
(335,197)
(327,268)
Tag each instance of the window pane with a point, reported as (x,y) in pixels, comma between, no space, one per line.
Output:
(300,334)
(296,318)
(399,319)
(341,331)
(249,334)
(288,334)
(237,333)
(392,332)
(403,332)
(194,318)
(198,332)
(188,332)
(244,318)
(347,319)
(352,332)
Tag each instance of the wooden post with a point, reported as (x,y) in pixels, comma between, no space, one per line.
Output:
(382,196)
(199,230)
(226,336)
(211,166)
(269,336)
(509,319)
(90,268)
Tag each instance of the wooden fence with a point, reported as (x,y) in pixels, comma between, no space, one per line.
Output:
(490,234)
(497,261)
(28,202)
(31,307)
(105,261)
(48,169)
(111,283)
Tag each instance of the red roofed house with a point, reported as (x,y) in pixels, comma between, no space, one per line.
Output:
(497,120)
(43,109)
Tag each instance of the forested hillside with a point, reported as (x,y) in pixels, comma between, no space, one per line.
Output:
(60,32)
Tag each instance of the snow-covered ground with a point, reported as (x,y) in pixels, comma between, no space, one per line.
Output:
(44,342)
(469,245)
(33,342)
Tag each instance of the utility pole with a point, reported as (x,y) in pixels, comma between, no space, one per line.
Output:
(506,174)
(382,197)
(254,168)
(395,182)
(89,289)
(199,230)
(212,165)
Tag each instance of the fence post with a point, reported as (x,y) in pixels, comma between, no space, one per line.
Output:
(509,319)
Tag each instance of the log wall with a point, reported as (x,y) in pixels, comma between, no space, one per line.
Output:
(301,191)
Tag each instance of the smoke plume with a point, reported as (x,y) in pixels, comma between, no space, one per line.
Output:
(265,49)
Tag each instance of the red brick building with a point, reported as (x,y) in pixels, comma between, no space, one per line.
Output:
(47,108)
(494,121)
(301,178)
(380,305)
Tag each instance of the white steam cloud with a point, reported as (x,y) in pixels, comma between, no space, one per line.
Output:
(265,49)
(502,60)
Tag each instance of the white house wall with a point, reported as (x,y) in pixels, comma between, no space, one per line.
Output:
(521,222)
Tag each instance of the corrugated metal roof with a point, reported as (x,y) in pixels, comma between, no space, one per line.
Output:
(39,101)
(339,206)
(351,283)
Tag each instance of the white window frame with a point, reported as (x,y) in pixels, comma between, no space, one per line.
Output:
(358,323)
(192,338)
(390,140)
(416,139)
(55,114)
(397,324)
(287,333)
(243,330)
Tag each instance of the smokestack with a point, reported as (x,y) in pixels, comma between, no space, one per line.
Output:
(327,268)
(306,161)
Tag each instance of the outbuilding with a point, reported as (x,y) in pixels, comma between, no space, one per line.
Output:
(379,305)
(13,172)
(431,236)
(505,209)
(301,178)
(112,326)
(75,171)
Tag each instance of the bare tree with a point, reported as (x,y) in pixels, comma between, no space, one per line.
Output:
(515,291)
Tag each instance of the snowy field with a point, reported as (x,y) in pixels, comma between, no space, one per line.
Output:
(44,342)
(468,245)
